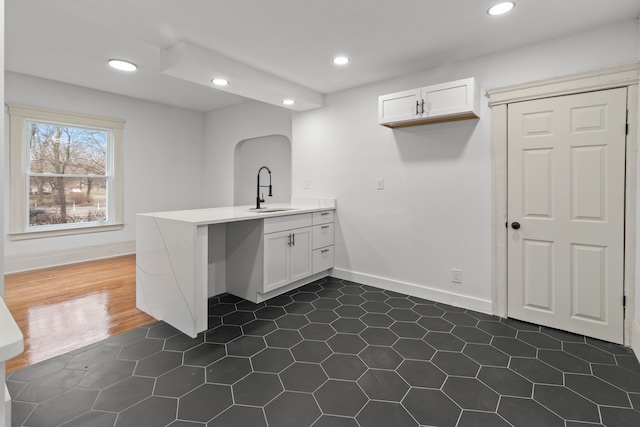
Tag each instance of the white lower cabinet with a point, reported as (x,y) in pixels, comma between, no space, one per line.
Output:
(287,257)
(268,257)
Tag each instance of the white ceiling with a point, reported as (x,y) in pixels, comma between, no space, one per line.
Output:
(291,40)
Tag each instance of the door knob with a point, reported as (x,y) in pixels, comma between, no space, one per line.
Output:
(515,225)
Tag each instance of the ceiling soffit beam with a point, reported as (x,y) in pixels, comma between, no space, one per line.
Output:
(192,63)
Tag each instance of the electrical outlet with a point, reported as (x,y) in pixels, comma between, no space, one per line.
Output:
(456,275)
(380,183)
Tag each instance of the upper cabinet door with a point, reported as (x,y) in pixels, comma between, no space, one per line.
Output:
(456,100)
(400,106)
(449,99)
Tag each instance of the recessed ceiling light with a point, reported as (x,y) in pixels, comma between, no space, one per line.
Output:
(122,65)
(501,8)
(220,82)
(340,60)
(288,101)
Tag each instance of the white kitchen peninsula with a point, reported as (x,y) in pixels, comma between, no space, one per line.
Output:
(184,257)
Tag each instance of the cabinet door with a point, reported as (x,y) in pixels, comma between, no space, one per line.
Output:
(276,260)
(448,98)
(300,252)
(399,107)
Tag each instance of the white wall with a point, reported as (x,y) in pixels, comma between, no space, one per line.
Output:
(224,129)
(273,151)
(435,211)
(162,149)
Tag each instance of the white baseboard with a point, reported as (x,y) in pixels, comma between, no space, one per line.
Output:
(36,260)
(437,295)
(635,339)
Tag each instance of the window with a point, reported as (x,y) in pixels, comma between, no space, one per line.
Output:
(65,173)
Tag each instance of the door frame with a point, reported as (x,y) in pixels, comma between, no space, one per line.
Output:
(621,76)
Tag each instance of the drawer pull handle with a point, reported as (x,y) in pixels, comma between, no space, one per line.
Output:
(324,250)
(324,226)
(324,213)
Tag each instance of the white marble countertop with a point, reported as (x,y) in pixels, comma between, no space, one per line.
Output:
(243,213)
(11,342)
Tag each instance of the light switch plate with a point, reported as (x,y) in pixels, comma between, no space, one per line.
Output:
(380,183)
(306,184)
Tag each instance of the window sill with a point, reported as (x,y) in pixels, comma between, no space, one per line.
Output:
(39,234)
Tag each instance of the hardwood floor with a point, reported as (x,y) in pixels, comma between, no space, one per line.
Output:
(64,308)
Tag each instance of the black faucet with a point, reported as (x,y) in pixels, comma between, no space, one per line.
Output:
(258,198)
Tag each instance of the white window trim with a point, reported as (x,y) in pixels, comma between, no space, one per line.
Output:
(18,115)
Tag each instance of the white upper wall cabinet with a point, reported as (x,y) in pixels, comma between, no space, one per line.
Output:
(457,100)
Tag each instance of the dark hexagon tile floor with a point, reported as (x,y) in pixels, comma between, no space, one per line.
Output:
(335,354)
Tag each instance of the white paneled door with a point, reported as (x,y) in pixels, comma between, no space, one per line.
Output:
(566,182)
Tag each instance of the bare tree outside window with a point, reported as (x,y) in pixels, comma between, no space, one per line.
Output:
(68,174)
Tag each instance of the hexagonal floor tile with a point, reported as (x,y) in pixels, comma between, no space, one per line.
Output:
(259,327)
(596,390)
(203,403)
(444,341)
(179,381)
(431,407)
(470,393)
(505,382)
(292,409)
(124,394)
(566,403)
(311,351)
(326,303)
(380,320)
(536,371)
(155,410)
(322,316)
(435,324)
(527,412)
(318,332)
(245,346)
(485,354)
(378,336)
(455,364)
(346,343)
(564,361)
(305,377)
(420,373)
(256,389)
(204,354)
(376,414)
(348,325)
(514,347)
(228,370)
(239,416)
(471,334)
(223,334)
(272,360)
(408,330)
(380,357)
(292,321)
(414,349)
(340,398)
(350,311)
(283,338)
(344,366)
(383,385)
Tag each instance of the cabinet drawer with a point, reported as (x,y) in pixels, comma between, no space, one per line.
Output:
(287,222)
(323,259)
(323,235)
(323,217)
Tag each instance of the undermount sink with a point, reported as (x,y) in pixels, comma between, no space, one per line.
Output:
(268,210)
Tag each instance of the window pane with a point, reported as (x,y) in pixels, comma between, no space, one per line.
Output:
(59,200)
(67,150)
